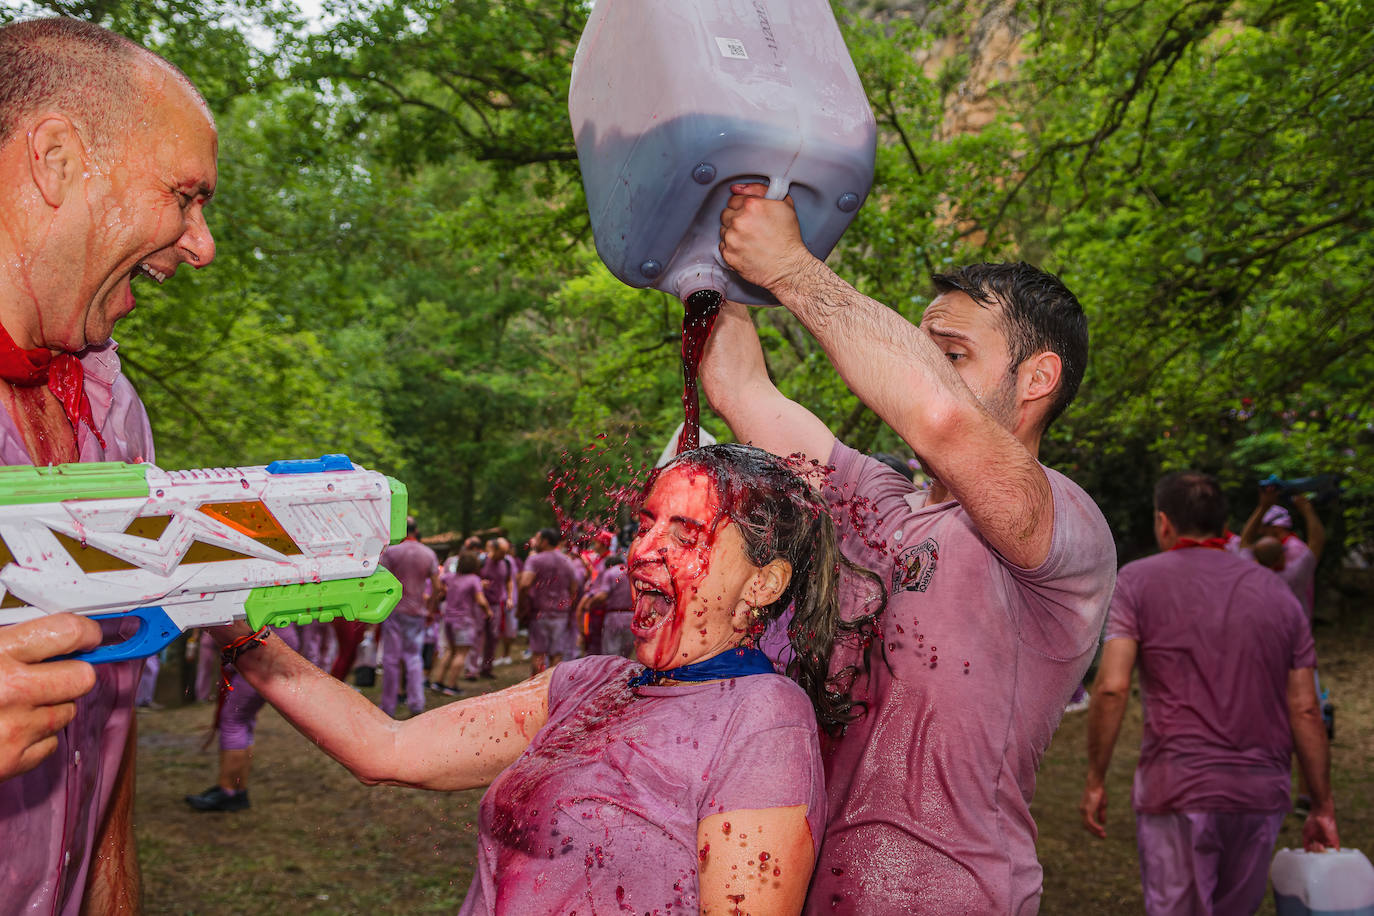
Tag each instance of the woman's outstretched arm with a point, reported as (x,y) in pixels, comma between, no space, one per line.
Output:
(459,746)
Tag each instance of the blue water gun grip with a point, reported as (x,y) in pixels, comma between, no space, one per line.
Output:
(155,632)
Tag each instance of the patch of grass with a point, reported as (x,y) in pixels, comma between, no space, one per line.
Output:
(317,841)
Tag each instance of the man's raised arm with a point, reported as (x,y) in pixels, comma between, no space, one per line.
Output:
(904,376)
(735,379)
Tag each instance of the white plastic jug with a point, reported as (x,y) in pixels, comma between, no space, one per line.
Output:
(672,101)
(1338,882)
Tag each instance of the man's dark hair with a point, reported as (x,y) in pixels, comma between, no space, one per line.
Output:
(412,527)
(1192,502)
(1038,314)
(550,536)
(612,559)
(87,72)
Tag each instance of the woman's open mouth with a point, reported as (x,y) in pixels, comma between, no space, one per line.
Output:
(652,608)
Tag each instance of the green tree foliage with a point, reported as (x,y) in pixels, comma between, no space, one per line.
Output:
(1203,174)
(405,269)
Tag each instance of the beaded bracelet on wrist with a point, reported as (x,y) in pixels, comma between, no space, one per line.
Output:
(231,652)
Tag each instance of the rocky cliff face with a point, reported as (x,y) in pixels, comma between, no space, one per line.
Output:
(989,33)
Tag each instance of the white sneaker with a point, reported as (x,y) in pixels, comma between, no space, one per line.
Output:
(1081,705)
(525,655)
(503,660)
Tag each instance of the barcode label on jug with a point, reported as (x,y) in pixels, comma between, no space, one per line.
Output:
(732,47)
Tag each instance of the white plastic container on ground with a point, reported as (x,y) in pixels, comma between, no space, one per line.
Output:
(1337,882)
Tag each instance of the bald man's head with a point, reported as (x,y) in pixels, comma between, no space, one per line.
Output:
(1269,552)
(97,78)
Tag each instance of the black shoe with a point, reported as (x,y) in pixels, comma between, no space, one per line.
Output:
(216,799)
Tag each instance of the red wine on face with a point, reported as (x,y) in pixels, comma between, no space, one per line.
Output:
(699,316)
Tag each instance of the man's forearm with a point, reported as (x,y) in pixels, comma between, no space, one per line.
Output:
(1250,533)
(737,385)
(1314,754)
(1106,709)
(893,366)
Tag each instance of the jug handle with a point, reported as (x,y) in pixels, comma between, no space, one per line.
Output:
(777,188)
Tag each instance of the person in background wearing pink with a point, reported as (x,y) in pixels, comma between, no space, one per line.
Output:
(998,576)
(608,598)
(686,782)
(549,583)
(465,616)
(1299,565)
(147,683)
(237,722)
(1226,661)
(403,633)
(574,636)
(207,667)
(107,157)
(315,641)
(588,617)
(498,574)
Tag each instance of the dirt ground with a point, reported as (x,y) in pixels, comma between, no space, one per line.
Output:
(317,841)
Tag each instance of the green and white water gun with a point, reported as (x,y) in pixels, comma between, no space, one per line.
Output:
(293,542)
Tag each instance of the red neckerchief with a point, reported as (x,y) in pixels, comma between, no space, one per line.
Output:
(1211,543)
(62,373)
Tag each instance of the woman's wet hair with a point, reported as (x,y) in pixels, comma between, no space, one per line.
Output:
(780,515)
(469,562)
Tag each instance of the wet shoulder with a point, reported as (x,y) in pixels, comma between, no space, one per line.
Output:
(764,701)
(574,681)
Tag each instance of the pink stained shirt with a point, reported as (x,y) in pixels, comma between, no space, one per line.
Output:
(497,581)
(460,597)
(614,583)
(1217,635)
(551,589)
(930,789)
(1300,571)
(50,817)
(413,564)
(600,813)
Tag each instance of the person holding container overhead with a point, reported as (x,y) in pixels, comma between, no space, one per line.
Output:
(687,780)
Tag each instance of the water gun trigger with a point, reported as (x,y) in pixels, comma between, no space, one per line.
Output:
(155,632)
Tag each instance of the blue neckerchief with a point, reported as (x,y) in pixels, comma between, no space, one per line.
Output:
(736,662)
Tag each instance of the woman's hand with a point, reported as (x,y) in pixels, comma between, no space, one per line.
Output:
(755,860)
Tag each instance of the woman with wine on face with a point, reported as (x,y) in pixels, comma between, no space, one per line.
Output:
(686,780)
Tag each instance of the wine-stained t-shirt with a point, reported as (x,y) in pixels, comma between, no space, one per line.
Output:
(1300,571)
(551,591)
(600,813)
(1217,637)
(496,581)
(460,597)
(51,817)
(413,564)
(614,583)
(930,789)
